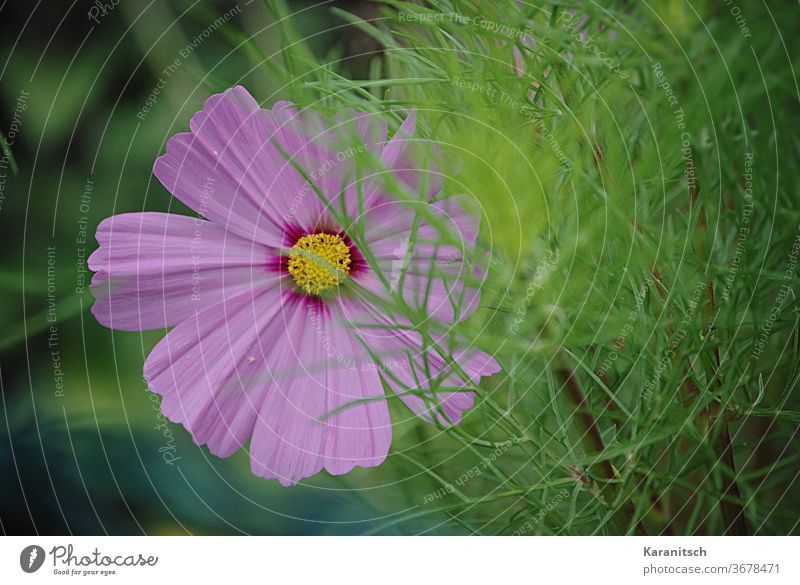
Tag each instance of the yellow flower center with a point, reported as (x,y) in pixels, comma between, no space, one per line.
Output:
(319,262)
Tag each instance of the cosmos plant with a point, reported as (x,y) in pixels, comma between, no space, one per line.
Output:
(273,299)
(509,260)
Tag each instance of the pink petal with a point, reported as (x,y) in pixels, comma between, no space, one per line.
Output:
(210,370)
(369,128)
(239,166)
(410,367)
(397,148)
(155,269)
(404,157)
(317,369)
(445,407)
(434,275)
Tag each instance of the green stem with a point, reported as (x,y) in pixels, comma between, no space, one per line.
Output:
(590,434)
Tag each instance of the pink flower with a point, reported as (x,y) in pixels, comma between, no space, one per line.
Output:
(280,293)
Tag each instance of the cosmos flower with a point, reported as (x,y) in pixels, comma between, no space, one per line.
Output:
(280,293)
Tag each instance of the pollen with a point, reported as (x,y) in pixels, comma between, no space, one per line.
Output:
(319,262)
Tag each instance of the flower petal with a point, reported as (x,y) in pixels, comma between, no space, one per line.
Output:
(410,367)
(444,408)
(237,165)
(210,369)
(317,371)
(403,156)
(434,272)
(154,270)
(257,171)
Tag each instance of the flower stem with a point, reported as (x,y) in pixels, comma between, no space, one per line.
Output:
(590,433)
(732,512)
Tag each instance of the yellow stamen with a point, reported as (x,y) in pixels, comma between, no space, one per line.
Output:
(319,262)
